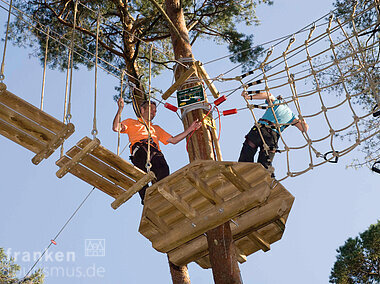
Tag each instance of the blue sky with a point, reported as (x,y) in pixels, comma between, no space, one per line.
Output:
(332,203)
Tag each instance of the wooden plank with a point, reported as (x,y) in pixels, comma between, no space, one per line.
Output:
(30,111)
(103,169)
(114,160)
(77,159)
(241,257)
(215,181)
(204,262)
(216,216)
(203,188)
(250,221)
(179,82)
(280,224)
(133,189)
(259,240)
(154,219)
(207,80)
(54,143)
(25,124)
(118,163)
(176,200)
(92,178)
(235,178)
(255,174)
(259,217)
(20,137)
(190,251)
(210,172)
(83,142)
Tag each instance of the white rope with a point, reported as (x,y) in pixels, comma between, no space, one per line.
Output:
(121,97)
(94,131)
(352,55)
(128,32)
(148,164)
(44,72)
(69,116)
(2,76)
(59,41)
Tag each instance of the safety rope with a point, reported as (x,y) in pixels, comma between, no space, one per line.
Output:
(2,76)
(68,115)
(148,164)
(275,77)
(345,89)
(119,122)
(94,131)
(273,42)
(53,241)
(44,72)
(361,56)
(58,38)
(290,76)
(277,61)
(66,94)
(116,27)
(354,53)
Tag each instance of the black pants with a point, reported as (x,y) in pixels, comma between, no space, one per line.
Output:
(253,141)
(159,165)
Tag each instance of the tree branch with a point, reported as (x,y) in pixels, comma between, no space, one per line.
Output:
(85,31)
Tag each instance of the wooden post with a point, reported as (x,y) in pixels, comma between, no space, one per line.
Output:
(222,250)
(221,247)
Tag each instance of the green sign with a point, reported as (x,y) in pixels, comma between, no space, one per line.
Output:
(190,96)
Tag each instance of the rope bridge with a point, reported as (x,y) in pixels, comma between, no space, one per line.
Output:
(332,56)
(306,66)
(328,58)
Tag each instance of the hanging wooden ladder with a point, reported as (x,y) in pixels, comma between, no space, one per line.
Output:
(31,127)
(205,194)
(98,166)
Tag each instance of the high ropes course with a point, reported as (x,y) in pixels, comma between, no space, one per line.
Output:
(205,194)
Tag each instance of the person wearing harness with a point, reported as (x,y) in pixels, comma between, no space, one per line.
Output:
(138,134)
(268,129)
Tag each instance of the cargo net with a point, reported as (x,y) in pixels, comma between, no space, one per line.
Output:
(325,77)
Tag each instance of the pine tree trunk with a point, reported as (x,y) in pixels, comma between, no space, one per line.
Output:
(221,247)
(180,274)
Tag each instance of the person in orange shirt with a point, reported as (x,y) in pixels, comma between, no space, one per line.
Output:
(137,131)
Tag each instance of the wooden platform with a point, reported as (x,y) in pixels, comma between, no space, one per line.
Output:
(205,194)
(254,230)
(30,127)
(99,167)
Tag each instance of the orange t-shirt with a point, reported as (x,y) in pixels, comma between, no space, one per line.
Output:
(137,131)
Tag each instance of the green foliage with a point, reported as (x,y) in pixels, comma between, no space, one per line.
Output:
(242,51)
(8,271)
(126,30)
(358,260)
